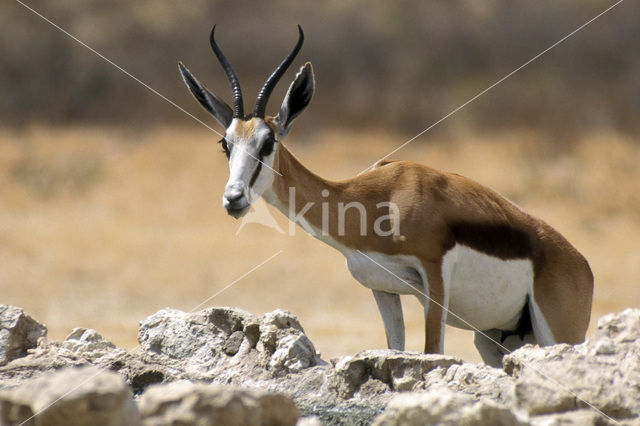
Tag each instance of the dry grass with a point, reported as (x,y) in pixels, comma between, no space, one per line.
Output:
(100,228)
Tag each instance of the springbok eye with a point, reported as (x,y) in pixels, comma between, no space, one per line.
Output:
(267,147)
(225,147)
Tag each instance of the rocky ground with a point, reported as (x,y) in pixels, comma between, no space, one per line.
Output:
(227,366)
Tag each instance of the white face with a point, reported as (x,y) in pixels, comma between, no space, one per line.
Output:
(250,146)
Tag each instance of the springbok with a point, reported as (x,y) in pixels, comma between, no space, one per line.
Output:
(474,259)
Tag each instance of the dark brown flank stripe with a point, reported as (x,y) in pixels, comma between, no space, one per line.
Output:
(499,240)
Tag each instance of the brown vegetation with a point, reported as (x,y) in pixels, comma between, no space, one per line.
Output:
(102,227)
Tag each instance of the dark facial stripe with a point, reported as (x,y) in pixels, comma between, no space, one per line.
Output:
(255,174)
(267,149)
(499,240)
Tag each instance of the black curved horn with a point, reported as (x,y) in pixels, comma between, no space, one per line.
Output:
(238,107)
(265,92)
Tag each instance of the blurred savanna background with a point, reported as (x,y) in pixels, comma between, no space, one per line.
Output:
(110,197)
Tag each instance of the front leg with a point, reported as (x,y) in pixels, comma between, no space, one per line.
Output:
(436,301)
(390,309)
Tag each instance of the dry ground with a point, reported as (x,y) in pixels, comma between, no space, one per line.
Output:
(101,227)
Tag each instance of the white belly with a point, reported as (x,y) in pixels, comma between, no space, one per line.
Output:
(399,274)
(481,291)
(485,291)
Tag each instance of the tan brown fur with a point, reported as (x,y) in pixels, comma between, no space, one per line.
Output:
(245,128)
(429,200)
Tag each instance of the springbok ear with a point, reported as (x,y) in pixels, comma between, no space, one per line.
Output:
(297,98)
(216,106)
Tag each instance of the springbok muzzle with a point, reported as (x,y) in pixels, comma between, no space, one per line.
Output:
(234,199)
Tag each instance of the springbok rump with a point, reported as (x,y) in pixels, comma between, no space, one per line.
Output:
(474,259)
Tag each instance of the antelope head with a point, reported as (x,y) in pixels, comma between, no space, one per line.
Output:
(251,141)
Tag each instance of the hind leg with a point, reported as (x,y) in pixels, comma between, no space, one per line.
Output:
(561,298)
(485,344)
(492,346)
(541,330)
